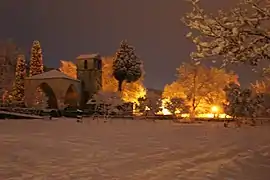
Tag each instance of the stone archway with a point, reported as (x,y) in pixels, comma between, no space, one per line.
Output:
(71,96)
(56,85)
(52,100)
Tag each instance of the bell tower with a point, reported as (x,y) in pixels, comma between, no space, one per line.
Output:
(89,72)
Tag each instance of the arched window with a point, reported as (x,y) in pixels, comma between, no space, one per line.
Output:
(98,64)
(85,64)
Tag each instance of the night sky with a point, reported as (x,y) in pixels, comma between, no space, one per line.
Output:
(68,28)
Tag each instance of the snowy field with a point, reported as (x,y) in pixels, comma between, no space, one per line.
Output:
(132,150)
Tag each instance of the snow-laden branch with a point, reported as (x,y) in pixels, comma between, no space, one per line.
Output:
(241,35)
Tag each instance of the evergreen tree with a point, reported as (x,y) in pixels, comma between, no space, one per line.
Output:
(18,86)
(126,65)
(242,102)
(36,67)
(36,61)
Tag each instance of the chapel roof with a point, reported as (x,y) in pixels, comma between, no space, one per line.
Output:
(52,74)
(88,56)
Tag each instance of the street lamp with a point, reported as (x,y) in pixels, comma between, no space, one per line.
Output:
(215,110)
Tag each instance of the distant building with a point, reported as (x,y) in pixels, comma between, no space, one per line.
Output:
(63,90)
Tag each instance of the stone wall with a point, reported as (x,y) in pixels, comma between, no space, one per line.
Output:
(58,86)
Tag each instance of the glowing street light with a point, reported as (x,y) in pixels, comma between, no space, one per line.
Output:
(214,109)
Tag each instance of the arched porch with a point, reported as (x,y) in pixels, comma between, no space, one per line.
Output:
(60,89)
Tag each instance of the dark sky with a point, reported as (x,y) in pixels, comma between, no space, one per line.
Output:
(68,28)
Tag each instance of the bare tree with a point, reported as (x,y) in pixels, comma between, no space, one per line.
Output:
(8,57)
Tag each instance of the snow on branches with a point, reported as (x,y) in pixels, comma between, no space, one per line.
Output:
(241,35)
(126,65)
(36,61)
(112,98)
(20,74)
(109,100)
(131,91)
(242,102)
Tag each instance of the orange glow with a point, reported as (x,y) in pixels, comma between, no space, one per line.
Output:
(209,86)
(5,96)
(207,115)
(214,109)
(164,111)
(131,91)
(68,68)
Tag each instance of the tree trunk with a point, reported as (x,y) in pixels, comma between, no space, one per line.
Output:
(120,83)
(192,115)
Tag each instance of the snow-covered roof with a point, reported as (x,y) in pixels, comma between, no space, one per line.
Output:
(91,101)
(88,56)
(52,74)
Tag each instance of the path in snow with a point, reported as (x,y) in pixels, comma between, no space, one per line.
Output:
(132,150)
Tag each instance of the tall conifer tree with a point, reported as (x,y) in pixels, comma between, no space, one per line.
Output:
(36,66)
(20,74)
(36,61)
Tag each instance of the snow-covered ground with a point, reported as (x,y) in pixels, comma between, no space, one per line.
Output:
(132,150)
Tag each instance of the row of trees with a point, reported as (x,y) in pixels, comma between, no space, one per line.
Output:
(199,87)
(196,89)
(122,72)
(15,92)
(238,36)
